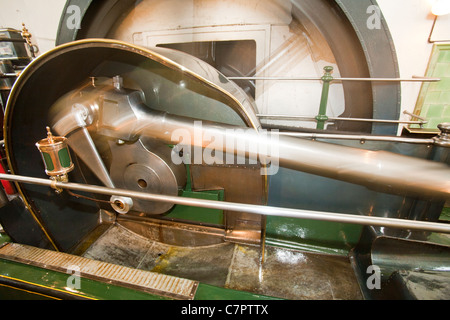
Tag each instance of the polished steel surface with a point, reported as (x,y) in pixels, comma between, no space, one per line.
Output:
(136,162)
(378,170)
(211,76)
(146,166)
(171,232)
(420,285)
(393,254)
(82,144)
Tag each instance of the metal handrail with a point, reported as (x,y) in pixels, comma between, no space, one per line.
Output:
(241,207)
(354,137)
(310,118)
(327,79)
(414,79)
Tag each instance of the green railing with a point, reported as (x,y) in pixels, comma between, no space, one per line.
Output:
(322,116)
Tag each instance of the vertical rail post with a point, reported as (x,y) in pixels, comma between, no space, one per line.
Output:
(322,116)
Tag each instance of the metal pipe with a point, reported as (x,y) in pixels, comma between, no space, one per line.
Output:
(310,118)
(9,75)
(354,137)
(418,79)
(414,115)
(241,207)
(378,120)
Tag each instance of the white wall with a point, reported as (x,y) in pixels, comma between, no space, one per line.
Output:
(41,18)
(410,23)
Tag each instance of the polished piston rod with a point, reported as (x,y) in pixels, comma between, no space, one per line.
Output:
(241,207)
(377,170)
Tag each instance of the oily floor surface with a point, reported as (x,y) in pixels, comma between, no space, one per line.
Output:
(285,273)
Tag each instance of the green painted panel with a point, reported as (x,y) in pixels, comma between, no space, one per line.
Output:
(64,157)
(11,293)
(312,235)
(48,161)
(56,282)
(52,285)
(4,238)
(434,98)
(445,215)
(197,214)
(208,292)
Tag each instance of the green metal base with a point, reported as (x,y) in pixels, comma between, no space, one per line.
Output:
(200,215)
(23,282)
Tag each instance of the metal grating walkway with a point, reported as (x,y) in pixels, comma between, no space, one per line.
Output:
(151,282)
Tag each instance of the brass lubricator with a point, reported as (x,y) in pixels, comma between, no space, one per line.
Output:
(56,157)
(58,163)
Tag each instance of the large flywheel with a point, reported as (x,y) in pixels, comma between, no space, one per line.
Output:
(270,39)
(61,88)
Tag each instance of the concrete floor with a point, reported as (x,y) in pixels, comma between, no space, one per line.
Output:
(285,273)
